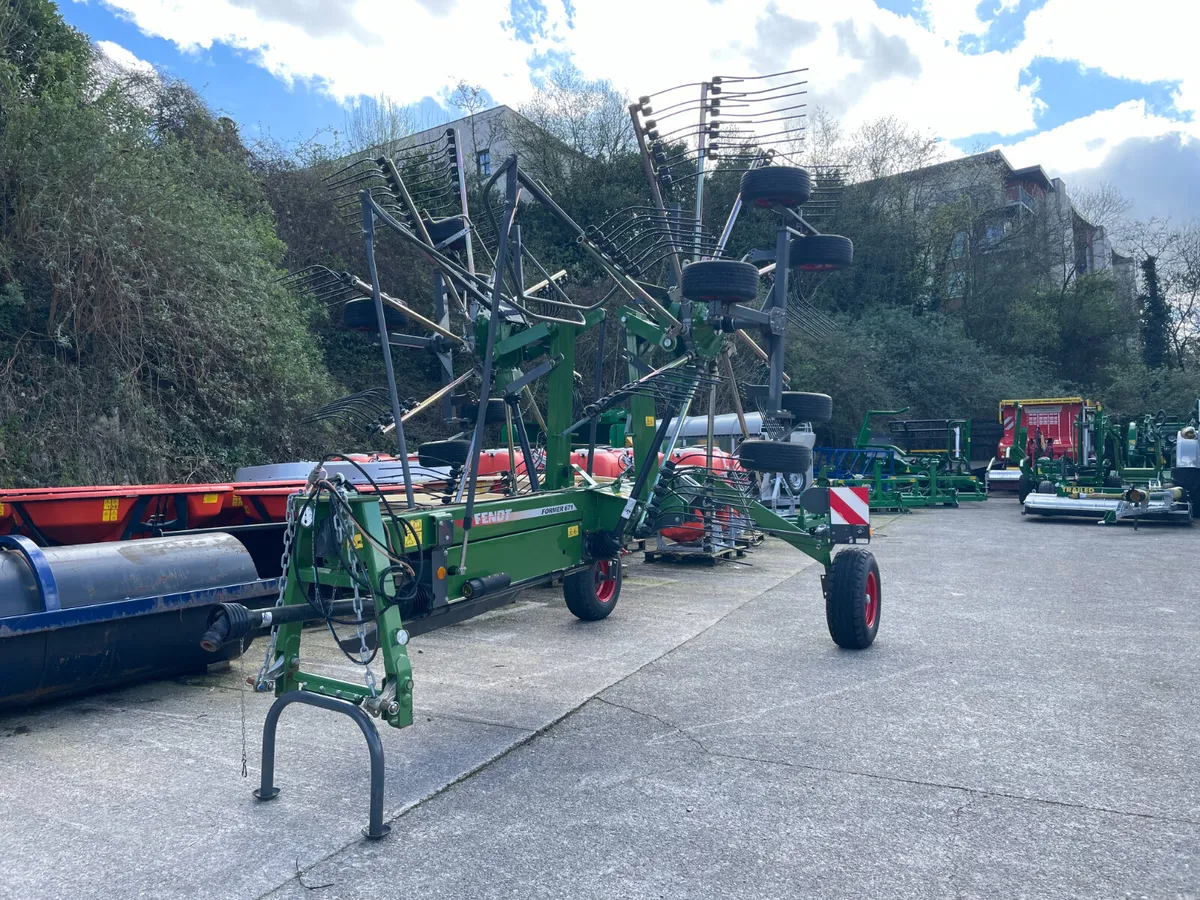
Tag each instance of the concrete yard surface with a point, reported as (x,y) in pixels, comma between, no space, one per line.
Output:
(1025,725)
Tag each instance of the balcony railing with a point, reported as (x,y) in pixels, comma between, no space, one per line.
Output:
(1016,195)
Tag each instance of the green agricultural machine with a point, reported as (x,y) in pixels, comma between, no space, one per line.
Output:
(382,559)
(932,468)
(1142,470)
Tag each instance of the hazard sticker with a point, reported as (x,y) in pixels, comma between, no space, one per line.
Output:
(112,507)
(849,506)
(412,536)
(849,515)
(211,498)
(572,531)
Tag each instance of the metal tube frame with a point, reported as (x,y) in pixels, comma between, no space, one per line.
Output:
(376,828)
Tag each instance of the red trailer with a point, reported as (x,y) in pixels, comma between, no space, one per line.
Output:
(1050,431)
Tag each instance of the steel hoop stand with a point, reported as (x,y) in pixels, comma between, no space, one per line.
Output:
(376,828)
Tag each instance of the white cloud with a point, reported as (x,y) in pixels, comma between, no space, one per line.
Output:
(1084,143)
(864,62)
(1152,40)
(123,58)
(422,53)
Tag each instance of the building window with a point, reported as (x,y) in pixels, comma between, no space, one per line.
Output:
(956,284)
(1081,259)
(484,160)
(958,247)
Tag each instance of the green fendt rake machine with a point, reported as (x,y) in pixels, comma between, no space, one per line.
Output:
(388,558)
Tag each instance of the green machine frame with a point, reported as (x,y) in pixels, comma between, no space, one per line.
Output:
(356,555)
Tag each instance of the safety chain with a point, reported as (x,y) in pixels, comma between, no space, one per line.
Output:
(265,681)
(344,527)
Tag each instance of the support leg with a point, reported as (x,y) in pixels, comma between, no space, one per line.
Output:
(267,791)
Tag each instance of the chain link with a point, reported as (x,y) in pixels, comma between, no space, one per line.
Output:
(344,529)
(263,682)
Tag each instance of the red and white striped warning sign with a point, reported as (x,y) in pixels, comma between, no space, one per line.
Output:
(849,506)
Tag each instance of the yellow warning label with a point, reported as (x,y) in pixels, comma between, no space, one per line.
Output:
(1,509)
(649,421)
(572,531)
(411,539)
(357,541)
(112,506)
(212,498)
(237,500)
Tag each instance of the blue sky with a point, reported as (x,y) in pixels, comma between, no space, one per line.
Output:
(1081,87)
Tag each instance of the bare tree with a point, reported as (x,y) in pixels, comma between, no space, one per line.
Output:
(1103,205)
(378,122)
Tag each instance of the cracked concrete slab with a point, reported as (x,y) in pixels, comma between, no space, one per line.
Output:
(138,793)
(1024,727)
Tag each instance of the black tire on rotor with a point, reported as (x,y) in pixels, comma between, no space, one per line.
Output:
(360,315)
(720,281)
(821,253)
(443,453)
(442,229)
(806,407)
(586,593)
(852,580)
(1045,487)
(495,411)
(774,456)
(787,186)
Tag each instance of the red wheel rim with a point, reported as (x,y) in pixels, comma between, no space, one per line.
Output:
(871,600)
(606,581)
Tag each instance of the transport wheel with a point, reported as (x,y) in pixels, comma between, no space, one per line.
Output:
(443,453)
(592,593)
(720,281)
(494,415)
(808,407)
(853,599)
(360,315)
(776,185)
(821,253)
(774,456)
(1046,487)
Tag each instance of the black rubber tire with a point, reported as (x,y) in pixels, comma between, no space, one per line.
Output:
(584,600)
(360,315)
(776,185)
(846,606)
(821,253)
(774,456)
(808,407)
(1045,487)
(720,281)
(495,411)
(443,453)
(441,229)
